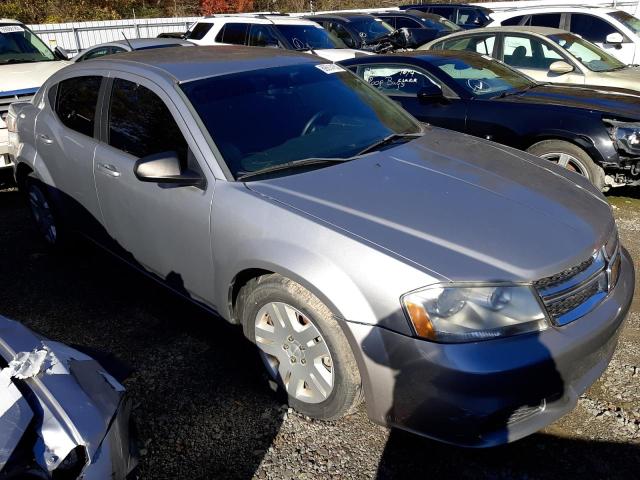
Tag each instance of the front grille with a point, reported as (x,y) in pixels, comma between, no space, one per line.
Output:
(564,275)
(7,98)
(575,291)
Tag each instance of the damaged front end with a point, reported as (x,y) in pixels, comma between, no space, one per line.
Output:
(62,415)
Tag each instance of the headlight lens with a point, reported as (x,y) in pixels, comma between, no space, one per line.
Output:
(626,135)
(458,313)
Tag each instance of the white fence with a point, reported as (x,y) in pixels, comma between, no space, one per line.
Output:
(77,36)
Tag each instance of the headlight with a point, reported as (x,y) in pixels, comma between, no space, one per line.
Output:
(626,135)
(452,313)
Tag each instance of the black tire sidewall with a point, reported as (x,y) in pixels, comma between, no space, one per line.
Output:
(61,236)
(345,387)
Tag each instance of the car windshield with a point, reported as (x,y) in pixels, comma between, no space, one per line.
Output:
(305,37)
(261,119)
(629,21)
(370,29)
(18,44)
(483,76)
(588,54)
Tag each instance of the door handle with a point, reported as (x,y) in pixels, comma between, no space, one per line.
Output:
(109,169)
(45,139)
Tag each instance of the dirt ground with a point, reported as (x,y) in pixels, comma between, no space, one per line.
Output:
(202,407)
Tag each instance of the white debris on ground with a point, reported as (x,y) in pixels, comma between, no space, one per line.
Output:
(29,364)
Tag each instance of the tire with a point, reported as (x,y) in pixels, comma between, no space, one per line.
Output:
(572,158)
(320,386)
(47,221)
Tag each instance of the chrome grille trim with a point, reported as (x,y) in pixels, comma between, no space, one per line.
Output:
(7,98)
(574,292)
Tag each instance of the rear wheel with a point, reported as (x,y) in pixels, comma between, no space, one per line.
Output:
(571,157)
(302,347)
(47,221)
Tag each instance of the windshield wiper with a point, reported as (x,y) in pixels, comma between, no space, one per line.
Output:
(394,137)
(521,90)
(294,164)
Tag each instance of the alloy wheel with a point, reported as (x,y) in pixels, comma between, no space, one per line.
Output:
(295,352)
(567,161)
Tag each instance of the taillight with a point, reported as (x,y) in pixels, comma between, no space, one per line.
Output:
(12,124)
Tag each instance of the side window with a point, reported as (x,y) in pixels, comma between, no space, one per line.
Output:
(402,22)
(468,16)
(337,30)
(96,53)
(513,20)
(390,20)
(528,52)
(76,103)
(446,12)
(262,36)
(395,79)
(545,20)
(141,124)
(233,33)
(590,27)
(479,43)
(199,31)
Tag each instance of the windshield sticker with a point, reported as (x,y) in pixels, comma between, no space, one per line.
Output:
(330,68)
(11,29)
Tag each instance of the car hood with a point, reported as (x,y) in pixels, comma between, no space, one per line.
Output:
(617,101)
(465,208)
(24,76)
(625,78)
(339,54)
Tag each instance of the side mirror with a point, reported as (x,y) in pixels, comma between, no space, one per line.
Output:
(430,93)
(61,53)
(560,67)
(614,38)
(165,168)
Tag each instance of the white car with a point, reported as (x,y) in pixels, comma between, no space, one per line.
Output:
(275,31)
(615,31)
(25,63)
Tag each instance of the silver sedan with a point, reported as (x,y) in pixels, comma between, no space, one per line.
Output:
(467,291)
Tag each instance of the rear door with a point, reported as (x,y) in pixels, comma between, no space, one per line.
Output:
(160,228)
(65,134)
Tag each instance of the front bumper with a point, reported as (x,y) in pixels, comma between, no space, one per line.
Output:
(488,393)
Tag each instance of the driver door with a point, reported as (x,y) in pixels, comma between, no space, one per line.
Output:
(161,228)
(402,83)
(533,57)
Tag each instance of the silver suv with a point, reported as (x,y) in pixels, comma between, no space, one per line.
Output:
(467,291)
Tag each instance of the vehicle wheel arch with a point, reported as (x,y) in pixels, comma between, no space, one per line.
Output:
(246,275)
(581,141)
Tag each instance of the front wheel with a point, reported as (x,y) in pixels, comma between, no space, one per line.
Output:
(571,157)
(302,347)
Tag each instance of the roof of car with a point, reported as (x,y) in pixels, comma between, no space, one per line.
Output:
(407,13)
(184,64)
(10,20)
(457,5)
(425,55)
(347,16)
(544,8)
(137,43)
(250,18)
(544,31)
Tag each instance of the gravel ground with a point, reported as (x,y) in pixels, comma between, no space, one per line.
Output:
(202,408)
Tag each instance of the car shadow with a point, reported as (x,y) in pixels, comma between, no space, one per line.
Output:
(203,408)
